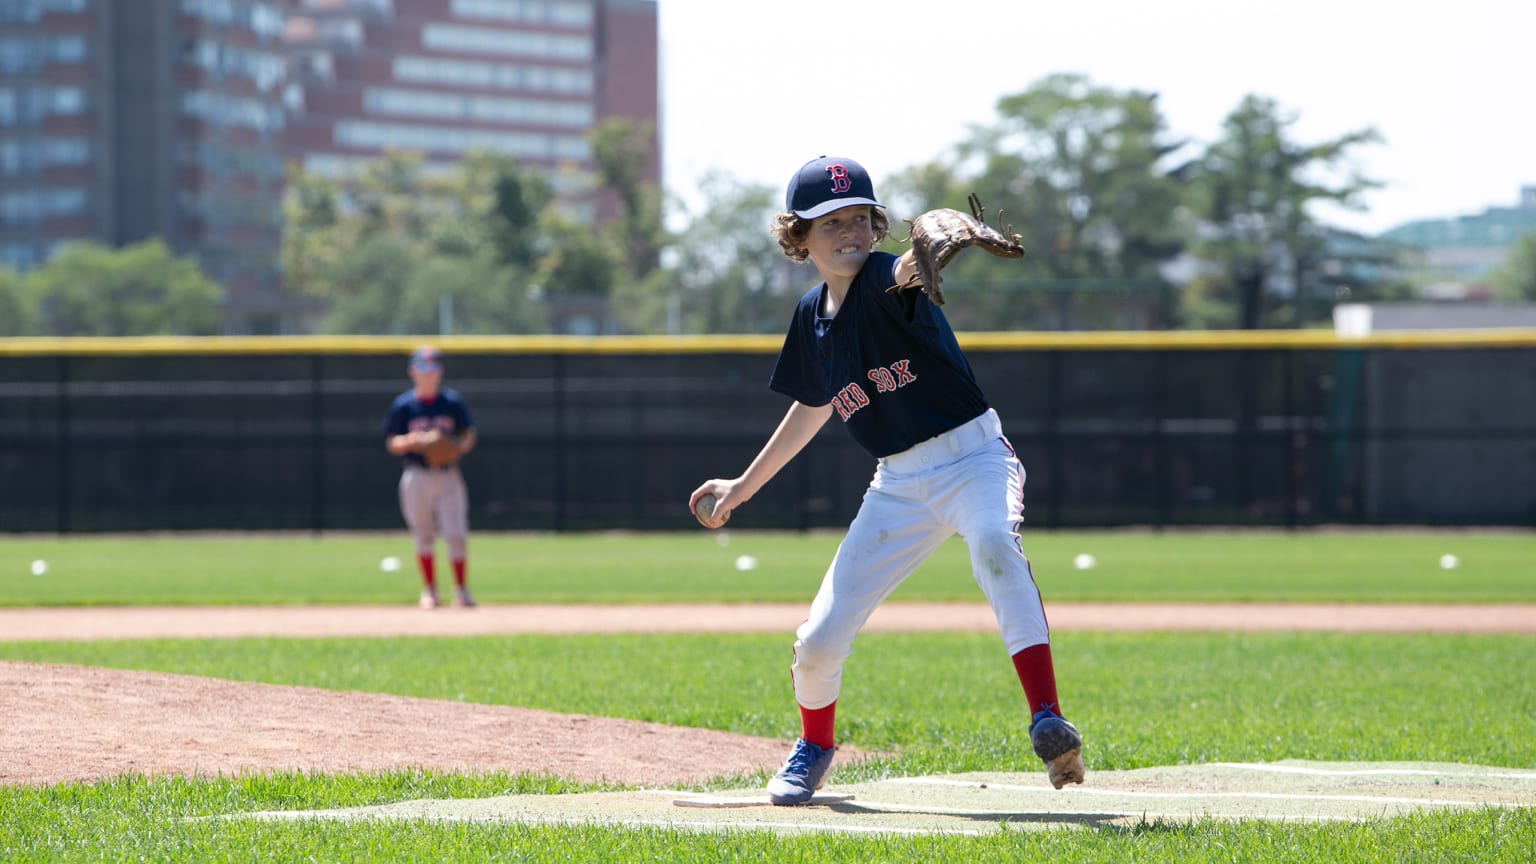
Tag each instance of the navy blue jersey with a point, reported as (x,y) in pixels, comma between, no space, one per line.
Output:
(887,362)
(447,412)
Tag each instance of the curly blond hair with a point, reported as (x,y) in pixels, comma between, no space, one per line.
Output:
(791,230)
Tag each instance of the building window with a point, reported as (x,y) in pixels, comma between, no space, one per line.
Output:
(224,110)
(21,256)
(503,76)
(31,206)
(480,40)
(26,106)
(29,11)
(488,109)
(400,136)
(265,19)
(25,158)
(220,60)
(27,55)
(526,11)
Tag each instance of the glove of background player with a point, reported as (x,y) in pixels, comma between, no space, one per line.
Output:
(939,235)
(436,449)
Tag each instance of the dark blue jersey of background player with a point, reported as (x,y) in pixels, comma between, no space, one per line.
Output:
(446,412)
(887,362)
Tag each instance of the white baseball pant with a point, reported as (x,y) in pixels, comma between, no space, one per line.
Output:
(433,502)
(967,481)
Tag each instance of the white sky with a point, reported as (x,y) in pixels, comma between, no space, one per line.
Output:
(894,83)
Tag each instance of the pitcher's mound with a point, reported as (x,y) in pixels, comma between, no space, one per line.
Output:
(81,724)
(980,803)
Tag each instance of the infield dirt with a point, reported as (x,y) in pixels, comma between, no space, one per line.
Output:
(72,723)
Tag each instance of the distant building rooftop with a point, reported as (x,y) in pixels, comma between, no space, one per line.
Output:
(1494,227)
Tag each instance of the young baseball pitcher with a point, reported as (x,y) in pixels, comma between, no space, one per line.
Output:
(429,427)
(885,362)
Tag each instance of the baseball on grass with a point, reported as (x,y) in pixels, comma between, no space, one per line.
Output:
(746,562)
(390,564)
(1449,562)
(1084,561)
(39,567)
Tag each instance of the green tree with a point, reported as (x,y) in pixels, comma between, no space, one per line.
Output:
(727,275)
(140,290)
(1516,278)
(366,286)
(480,295)
(1265,255)
(1083,173)
(623,150)
(579,262)
(393,246)
(18,312)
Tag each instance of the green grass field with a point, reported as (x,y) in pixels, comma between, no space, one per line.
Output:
(936,702)
(701,566)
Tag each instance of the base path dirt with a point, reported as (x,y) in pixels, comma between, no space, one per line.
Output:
(71,723)
(322,621)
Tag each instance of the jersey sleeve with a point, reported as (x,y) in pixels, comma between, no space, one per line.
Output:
(910,305)
(465,419)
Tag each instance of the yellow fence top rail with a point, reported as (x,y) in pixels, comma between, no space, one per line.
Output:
(1181,340)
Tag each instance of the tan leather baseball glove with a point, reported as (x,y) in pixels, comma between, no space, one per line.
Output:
(939,235)
(438,450)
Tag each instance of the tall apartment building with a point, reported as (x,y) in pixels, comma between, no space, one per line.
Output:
(123,121)
(530,78)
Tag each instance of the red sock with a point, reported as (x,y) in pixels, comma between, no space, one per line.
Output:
(428,572)
(816,724)
(1038,677)
(458,572)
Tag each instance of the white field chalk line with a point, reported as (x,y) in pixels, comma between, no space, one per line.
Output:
(1280,796)
(275,815)
(1372,772)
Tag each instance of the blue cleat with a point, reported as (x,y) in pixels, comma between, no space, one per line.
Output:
(803,773)
(1058,745)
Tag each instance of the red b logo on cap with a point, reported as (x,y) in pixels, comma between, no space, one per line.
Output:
(840,181)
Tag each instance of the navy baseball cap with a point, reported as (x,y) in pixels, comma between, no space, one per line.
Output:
(826,184)
(426,359)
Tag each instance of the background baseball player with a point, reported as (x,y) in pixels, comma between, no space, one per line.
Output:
(429,427)
(886,362)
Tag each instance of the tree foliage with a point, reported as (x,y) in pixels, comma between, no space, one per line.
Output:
(18,313)
(1083,174)
(1107,201)
(1265,254)
(1516,278)
(727,275)
(142,290)
(622,150)
(394,247)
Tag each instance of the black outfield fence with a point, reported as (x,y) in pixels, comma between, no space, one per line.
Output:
(1161,429)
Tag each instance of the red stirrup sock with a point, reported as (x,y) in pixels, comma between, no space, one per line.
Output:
(1038,677)
(428,572)
(458,572)
(816,724)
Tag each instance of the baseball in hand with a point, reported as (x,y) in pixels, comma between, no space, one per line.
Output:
(705,508)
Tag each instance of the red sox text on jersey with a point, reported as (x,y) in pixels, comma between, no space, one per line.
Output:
(885,378)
